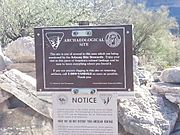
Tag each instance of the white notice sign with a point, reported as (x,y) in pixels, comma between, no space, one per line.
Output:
(85,114)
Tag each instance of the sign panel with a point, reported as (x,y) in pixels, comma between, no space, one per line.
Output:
(97,57)
(88,114)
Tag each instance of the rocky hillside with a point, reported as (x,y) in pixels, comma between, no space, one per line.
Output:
(152,111)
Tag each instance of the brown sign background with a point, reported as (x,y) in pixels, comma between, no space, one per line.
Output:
(97,57)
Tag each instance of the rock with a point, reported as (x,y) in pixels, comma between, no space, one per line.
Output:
(171,75)
(176,129)
(141,76)
(136,79)
(24,121)
(147,75)
(171,111)
(162,88)
(156,76)
(147,115)
(174,98)
(28,68)
(21,50)
(135,63)
(170,91)
(4,96)
(178,120)
(122,131)
(7,60)
(23,87)
(20,78)
(135,69)
(14,103)
(4,59)
(2,63)
(4,106)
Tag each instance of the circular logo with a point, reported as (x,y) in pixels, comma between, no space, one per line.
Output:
(113,39)
(62,99)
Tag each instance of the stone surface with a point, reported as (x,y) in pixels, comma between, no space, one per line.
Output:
(4,106)
(20,78)
(122,131)
(170,91)
(28,68)
(174,98)
(141,76)
(4,95)
(147,115)
(162,88)
(2,63)
(24,121)
(15,102)
(21,50)
(136,79)
(176,129)
(6,61)
(135,63)
(23,87)
(135,69)
(171,75)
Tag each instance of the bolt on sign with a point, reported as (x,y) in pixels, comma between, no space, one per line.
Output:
(97,57)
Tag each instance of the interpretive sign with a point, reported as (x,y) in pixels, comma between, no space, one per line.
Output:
(91,114)
(97,57)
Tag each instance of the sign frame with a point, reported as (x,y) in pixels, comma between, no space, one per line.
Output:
(40,58)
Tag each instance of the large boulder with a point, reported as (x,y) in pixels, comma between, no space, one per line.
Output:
(21,50)
(24,121)
(147,115)
(171,75)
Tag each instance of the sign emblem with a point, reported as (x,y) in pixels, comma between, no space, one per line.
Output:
(105,98)
(113,39)
(55,39)
(62,99)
